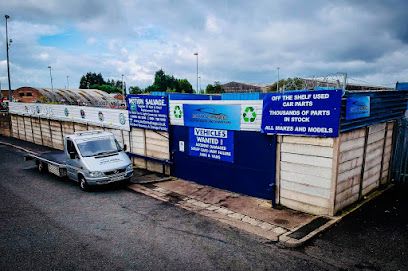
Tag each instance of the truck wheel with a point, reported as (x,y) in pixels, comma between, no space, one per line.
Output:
(42,168)
(83,184)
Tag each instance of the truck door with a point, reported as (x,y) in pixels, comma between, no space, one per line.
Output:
(72,162)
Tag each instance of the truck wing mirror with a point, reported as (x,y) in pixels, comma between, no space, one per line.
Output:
(72,155)
(124,147)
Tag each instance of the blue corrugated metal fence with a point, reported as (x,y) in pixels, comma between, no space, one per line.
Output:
(384,106)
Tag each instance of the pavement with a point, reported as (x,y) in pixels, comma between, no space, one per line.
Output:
(49,223)
(246,213)
(256,216)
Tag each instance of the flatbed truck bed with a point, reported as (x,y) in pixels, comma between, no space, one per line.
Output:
(53,162)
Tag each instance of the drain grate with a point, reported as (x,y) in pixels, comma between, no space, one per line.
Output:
(309,227)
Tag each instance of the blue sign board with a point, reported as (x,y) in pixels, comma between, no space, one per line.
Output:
(357,107)
(148,112)
(216,116)
(313,113)
(211,144)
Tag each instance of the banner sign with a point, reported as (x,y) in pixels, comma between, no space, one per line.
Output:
(357,107)
(99,116)
(313,113)
(227,117)
(212,144)
(148,112)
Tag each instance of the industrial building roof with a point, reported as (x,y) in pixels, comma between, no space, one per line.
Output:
(90,97)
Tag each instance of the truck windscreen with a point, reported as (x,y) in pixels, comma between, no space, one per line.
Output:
(98,146)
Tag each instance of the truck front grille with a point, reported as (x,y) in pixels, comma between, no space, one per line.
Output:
(114,172)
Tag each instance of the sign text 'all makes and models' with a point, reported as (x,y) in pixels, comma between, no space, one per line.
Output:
(315,113)
(148,112)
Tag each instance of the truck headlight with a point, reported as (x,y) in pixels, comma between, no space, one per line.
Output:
(129,167)
(96,174)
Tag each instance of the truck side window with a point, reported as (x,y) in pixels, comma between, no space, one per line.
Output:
(70,147)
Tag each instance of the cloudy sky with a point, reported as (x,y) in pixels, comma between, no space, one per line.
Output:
(237,40)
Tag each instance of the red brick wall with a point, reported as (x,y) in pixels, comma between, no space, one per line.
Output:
(23,95)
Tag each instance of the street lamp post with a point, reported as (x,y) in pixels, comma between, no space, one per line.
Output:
(277,85)
(52,86)
(123,90)
(8,61)
(199,78)
(67,81)
(196,54)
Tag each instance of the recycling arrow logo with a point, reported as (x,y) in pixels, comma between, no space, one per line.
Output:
(177,112)
(249,114)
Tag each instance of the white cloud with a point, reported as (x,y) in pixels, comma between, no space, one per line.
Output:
(91,41)
(211,25)
(236,40)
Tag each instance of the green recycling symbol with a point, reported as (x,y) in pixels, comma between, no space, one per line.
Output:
(249,114)
(177,112)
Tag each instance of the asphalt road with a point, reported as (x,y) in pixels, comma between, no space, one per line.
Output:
(48,223)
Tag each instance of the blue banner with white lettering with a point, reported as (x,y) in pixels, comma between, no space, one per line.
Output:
(148,112)
(212,144)
(217,116)
(313,113)
(357,107)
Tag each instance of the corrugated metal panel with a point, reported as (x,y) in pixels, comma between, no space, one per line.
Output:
(384,106)
(241,96)
(401,86)
(400,154)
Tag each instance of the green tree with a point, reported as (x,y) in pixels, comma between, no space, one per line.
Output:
(135,90)
(96,81)
(184,86)
(214,89)
(90,79)
(107,88)
(164,82)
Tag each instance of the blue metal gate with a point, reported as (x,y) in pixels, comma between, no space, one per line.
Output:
(400,155)
(253,170)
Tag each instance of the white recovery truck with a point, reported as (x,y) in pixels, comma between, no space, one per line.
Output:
(89,158)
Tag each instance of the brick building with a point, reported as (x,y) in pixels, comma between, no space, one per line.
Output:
(240,87)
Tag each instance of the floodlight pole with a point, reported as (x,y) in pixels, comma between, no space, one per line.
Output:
(196,54)
(52,86)
(8,60)
(123,90)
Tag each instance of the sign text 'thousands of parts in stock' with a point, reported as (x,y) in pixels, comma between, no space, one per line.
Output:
(313,113)
(148,112)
